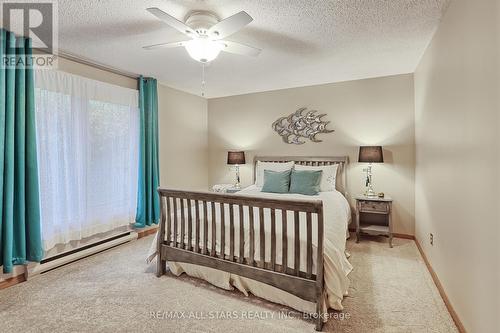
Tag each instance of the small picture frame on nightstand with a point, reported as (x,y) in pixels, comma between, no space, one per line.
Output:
(374,216)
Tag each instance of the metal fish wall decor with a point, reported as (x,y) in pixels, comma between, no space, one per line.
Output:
(301,124)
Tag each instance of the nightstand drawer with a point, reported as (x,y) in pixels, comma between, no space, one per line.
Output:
(372,206)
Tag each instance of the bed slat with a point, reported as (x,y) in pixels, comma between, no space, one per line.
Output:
(190,226)
(309,246)
(242,235)
(175,222)
(262,238)
(222,231)
(213,240)
(197,227)
(231,232)
(284,241)
(251,231)
(296,236)
(205,228)
(183,218)
(273,239)
(169,220)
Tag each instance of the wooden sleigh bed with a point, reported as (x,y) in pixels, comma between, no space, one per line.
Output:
(197,236)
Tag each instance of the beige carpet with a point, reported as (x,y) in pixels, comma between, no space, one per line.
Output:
(391,291)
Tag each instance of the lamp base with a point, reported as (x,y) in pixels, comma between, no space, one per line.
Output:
(237,182)
(369,188)
(369,191)
(370,194)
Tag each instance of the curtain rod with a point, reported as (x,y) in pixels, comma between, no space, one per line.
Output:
(89,62)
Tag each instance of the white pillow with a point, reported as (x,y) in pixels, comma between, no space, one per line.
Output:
(273,166)
(328,176)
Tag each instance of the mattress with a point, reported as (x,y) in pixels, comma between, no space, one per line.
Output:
(336,213)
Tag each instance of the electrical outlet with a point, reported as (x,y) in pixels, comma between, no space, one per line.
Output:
(431,239)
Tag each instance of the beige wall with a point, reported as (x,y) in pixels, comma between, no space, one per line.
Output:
(182,122)
(457,160)
(374,111)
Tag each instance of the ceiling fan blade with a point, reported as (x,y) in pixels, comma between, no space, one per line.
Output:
(238,48)
(165,45)
(229,25)
(172,21)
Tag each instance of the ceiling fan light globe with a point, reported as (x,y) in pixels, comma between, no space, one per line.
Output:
(203,50)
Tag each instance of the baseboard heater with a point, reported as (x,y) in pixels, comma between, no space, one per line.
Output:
(79,253)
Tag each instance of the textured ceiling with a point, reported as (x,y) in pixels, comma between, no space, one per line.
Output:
(304,42)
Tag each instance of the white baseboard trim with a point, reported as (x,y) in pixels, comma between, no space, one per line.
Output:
(75,254)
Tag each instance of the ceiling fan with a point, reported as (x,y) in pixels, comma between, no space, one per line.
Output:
(207,34)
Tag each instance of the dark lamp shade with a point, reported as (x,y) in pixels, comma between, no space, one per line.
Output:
(371,154)
(235,157)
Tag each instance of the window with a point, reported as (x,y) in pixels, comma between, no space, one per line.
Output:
(87,137)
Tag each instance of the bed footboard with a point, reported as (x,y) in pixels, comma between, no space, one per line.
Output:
(185,230)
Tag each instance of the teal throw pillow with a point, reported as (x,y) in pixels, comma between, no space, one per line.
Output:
(276,181)
(305,182)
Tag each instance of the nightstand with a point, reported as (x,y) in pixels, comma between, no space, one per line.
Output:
(380,211)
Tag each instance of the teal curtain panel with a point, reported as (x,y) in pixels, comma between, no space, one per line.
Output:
(20,229)
(148,202)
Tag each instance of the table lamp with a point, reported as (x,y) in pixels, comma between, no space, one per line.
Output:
(370,154)
(236,158)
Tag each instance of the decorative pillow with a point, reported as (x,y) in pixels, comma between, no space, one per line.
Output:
(276,181)
(261,166)
(328,178)
(305,182)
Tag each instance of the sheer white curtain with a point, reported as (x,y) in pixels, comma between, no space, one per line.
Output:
(87,134)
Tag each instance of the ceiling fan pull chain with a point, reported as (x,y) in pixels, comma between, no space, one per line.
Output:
(203,80)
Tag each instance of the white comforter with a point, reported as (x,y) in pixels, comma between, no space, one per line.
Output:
(336,213)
